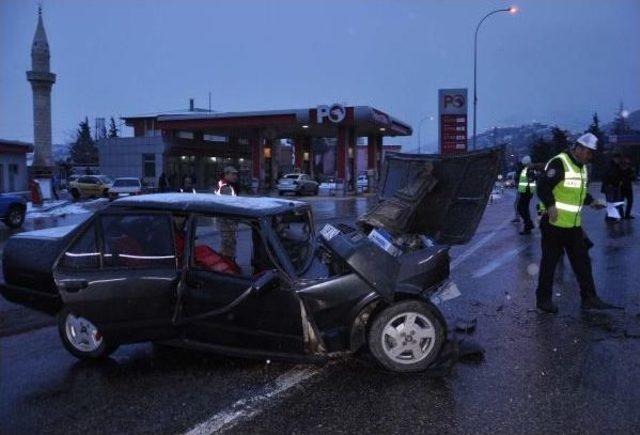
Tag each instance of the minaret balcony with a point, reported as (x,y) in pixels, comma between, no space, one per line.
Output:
(39,76)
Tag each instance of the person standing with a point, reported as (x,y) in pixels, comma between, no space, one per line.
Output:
(562,189)
(227,185)
(516,218)
(162,183)
(628,178)
(612,187)
(526,189)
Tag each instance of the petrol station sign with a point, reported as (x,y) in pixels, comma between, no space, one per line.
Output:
(452,117)
(334,113)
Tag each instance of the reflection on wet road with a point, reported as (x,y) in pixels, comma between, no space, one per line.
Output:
(574,372)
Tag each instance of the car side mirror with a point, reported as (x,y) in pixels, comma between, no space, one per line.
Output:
(265,281)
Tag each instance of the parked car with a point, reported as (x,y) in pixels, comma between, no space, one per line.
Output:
(328,187)
(298,184)
(510,180)
(125,186)
(12,210)
(362,183)
(147,268)
(90,186)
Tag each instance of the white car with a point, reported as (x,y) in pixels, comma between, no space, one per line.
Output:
(298,184)
(125,186)
(362,183)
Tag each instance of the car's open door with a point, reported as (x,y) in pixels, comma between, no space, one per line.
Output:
(120,273)
(217,305)
(441,196)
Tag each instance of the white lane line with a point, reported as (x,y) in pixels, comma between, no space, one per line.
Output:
(479,244)
(497,262)
(244,409)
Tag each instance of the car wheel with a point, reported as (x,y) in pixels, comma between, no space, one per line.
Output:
(15,217)
(81,337)
(316,191)
(280,192)
(105,193)
(407,336)
(75,193)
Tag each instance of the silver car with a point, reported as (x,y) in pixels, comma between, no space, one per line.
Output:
(298,184)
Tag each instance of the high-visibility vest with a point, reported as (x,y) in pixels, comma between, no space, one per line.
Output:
(570,193)
(524,182)
(221,184)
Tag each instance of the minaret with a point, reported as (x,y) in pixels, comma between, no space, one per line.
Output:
(41,80)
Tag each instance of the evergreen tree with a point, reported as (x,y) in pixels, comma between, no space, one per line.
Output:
(113,130)
(620,124)
(83,150)
(598,161)
(594,129)
(541,151)
(559,140)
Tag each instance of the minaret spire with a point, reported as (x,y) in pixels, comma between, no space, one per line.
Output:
(41,79)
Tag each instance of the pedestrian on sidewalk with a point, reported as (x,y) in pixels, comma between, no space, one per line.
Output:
(628,178)
(562,189)
(526,188)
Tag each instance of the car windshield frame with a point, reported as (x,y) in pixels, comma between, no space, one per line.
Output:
(298,268)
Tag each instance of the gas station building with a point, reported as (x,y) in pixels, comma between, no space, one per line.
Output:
(200,143)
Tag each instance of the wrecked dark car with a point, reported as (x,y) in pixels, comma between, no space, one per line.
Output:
(250,277)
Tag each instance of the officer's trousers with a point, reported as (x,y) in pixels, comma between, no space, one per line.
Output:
(555,241)
(524,200)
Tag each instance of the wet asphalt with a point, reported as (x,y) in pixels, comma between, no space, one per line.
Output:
(575,372)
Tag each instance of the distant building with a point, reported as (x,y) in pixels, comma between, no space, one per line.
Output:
(13,165)
(338,141)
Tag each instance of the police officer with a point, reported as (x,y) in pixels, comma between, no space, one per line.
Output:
(526,189)
(228,228)
(562,188)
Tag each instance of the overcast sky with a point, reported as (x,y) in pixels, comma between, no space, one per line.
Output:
(556,61)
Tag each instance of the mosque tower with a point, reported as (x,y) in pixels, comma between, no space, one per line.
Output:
(41,79)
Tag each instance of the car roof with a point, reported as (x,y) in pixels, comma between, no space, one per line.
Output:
(210,203)
(127,178)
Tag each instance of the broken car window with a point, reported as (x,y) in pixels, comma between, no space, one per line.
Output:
(138,241)
(83,254)
(295,233)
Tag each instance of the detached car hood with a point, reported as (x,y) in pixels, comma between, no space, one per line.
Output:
(441,197)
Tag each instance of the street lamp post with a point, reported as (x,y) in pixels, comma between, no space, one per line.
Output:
(430,117)
(512,10)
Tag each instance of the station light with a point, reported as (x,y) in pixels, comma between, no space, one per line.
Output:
(213,159)
(383,129)
(513,10)
(305,126)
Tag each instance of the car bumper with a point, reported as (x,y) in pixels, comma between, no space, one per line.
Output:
(288,188)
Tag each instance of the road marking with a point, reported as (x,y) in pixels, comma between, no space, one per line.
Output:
(244,409)
(497,262)
(479,244)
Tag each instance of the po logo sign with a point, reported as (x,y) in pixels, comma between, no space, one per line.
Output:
(454,100)
(335,113)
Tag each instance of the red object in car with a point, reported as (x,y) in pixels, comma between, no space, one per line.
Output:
(209,259)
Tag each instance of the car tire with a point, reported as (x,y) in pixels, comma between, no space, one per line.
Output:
(81,338)
(15,216)
(316,191)
(105,193)
(280,192)
(75,193)
(407,336)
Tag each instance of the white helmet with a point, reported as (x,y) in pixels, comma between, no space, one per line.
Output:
(588,140)
(526,160)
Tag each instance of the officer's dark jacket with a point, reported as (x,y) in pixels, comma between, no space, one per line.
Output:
(550,178)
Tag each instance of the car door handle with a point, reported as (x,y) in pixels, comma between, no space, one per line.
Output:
(74,285)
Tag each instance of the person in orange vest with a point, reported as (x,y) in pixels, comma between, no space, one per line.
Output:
(228,228)
(228,184)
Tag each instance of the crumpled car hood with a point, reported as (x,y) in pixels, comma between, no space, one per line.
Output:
(442,197)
